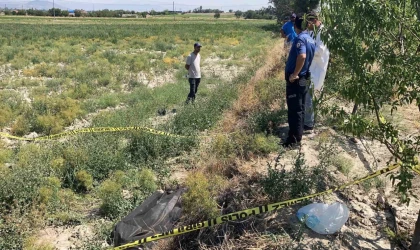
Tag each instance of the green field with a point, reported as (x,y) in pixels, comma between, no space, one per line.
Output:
(110,72)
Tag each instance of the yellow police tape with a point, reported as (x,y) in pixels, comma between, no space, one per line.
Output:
(416,169)
(248,212)
(92,130)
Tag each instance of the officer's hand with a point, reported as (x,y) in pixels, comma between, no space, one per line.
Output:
(293,78)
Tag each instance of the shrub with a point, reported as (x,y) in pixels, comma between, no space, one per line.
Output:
(48,124)
(5,154)
(57,84)
(84,181)
(101,154)
(81,91)
(145,148)
(265,145)
(6,116)
(32,244)
(267,121)
(246,145)
(280,184)
(57,166)
(222,146)
(162,46)
(48,193)
(200,200)
(343,164)
(146,181)
(113,202)
(104,80)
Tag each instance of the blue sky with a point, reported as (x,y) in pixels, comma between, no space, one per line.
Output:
(148,4)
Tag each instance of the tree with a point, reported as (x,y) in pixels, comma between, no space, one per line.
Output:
(78,13)
(250,14)
(54,12)
(217,15)
(376,57)
(284,8)
(144,14)
(230,11)
(238,14)
(415,244)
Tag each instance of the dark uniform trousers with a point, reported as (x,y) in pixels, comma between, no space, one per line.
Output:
(296,93)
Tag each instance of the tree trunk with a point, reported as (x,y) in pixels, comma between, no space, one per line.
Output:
(415,244)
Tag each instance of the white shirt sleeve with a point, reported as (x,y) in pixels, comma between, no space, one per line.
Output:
(188,62)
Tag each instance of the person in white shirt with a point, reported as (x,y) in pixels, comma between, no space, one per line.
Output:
(318,69)
(194,72)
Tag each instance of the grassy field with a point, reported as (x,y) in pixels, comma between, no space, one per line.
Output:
(107,72)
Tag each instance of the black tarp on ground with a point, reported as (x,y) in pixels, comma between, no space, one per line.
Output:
(155,215)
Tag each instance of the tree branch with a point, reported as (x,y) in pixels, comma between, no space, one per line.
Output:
(385,141)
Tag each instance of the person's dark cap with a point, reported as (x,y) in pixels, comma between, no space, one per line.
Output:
(293,15)
(197,45)
(299,22)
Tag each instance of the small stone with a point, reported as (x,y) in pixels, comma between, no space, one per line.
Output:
(365,200)
(366,222)
(380,199)
(354,140)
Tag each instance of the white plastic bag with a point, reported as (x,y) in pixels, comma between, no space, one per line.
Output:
(324,218)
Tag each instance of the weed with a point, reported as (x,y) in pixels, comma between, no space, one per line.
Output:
(246,146)
(137,185)
(32,244)
(5,154)
(399,239)
(343,164)
(84,181)
(200,200)
(377,182)
(113,202)
(280,184)
(222,146)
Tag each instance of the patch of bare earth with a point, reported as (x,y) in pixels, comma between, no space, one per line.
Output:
(64,238)
(217,68)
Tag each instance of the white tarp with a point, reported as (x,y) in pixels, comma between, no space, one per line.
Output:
(320,62)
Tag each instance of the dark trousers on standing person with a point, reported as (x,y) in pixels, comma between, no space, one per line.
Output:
(194,82)
(296,93)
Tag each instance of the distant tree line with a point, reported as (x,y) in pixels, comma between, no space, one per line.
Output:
(80,13)
(263,13)
(201,10)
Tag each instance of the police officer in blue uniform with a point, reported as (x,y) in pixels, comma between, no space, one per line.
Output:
(297,81)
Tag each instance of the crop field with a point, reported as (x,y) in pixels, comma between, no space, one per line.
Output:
(65,74)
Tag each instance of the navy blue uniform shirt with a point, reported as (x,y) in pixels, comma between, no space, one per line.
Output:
(303,44)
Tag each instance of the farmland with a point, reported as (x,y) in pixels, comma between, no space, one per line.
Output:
(59,75)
